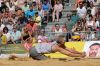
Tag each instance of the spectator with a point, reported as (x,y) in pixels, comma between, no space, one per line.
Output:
(10,26)
(46,8)
(42,38)
(37,19)
(57,11)
(81,10)
(93,10)
(3,39)
(15,2)
(28,44)
(56,28)
(97,24)
(25,34)
(6,33)
(91,23)
(31,26)
(1,26)
(30,13)
(64,28)
(15,35)
(25,7)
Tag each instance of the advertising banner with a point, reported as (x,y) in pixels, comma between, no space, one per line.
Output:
(92,48)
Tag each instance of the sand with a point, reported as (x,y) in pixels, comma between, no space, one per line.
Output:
(50,62)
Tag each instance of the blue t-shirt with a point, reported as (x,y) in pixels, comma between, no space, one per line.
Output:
(30,13)
(45,7)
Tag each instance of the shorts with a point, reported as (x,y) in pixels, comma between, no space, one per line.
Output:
(35,55)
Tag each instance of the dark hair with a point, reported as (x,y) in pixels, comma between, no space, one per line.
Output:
(56,24)
(90,16)
(95,44)
(5,28)
(36,13)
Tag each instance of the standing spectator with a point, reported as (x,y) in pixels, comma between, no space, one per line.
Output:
(57,11)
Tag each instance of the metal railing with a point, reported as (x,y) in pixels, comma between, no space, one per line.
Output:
(84,35)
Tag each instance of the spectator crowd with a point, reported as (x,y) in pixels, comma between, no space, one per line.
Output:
(24,21)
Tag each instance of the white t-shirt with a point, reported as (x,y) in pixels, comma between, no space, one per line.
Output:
(1,27)
(93,11)
(97,24)
(57,31)
(12,9)
(8,35)
(0,2)
(81,12)
(90,23)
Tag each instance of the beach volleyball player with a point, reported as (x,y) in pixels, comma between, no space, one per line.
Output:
(37,52)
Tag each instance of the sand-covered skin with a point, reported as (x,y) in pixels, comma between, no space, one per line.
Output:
(50,62)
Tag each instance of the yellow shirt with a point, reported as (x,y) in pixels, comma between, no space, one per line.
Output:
(34,41)
(4,39)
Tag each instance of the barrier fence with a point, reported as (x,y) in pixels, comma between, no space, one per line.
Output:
(84,35)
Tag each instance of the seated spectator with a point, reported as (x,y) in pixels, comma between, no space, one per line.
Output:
(1,26)
(90,35)
(28,44)
(11,7)
(10,26)
(97,23)
(93,10)
(56,28)
(6,33)
(37,19)
(64,28)
(57,11)
(91,23)
(35,6)
(3,39)
(15,2)
(98,12)
(15,35)
(31,26)
(30,13)
(25,6)
(74,17)
(46,8)
(79,25)
(42,38)
(40,12)
(25,34)
(22,19)
(81,10)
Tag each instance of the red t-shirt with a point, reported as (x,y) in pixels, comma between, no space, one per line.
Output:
(31,28)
